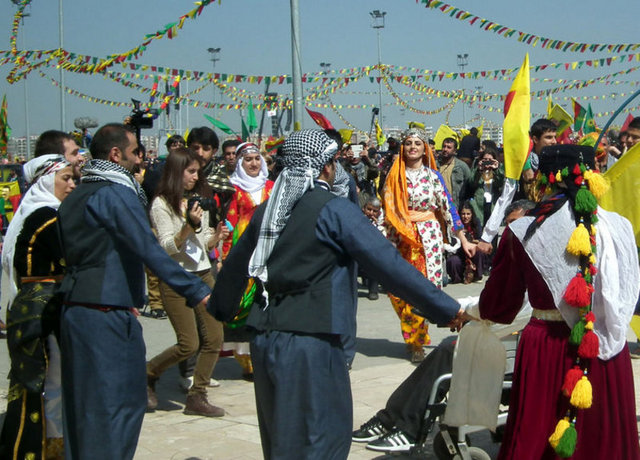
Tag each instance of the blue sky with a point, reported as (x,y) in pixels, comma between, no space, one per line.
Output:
(254,39)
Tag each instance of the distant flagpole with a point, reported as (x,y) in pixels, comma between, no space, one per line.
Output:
(296,71)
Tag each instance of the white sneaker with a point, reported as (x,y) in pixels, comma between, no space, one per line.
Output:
(187,382)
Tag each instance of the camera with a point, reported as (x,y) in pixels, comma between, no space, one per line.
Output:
(207,204)
(486,163)
(142,119)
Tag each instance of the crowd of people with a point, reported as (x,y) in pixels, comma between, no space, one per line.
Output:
(255,254)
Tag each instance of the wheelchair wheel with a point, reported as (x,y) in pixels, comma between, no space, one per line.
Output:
(478,454)
(441,450)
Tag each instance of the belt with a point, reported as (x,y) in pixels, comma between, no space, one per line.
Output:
(421,216)
(41,279)
(547,315)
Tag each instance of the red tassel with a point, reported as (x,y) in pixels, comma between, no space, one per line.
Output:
(590,317)
(552,178)
(578,180)
(576,170)
(589,346)
(577,293)
(593,270)
(570,380)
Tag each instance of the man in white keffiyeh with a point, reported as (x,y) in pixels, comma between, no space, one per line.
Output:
(303,244)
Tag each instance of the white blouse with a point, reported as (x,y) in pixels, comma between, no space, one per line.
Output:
(192,254)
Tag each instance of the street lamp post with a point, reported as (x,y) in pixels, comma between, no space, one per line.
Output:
(377,22)
(462,63)
(26,91)
(214,52)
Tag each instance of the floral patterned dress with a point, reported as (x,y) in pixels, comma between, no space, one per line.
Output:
(426,193)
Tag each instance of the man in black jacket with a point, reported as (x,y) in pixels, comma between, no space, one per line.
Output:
(303,245)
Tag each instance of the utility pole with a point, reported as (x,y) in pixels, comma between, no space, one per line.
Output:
(377,23)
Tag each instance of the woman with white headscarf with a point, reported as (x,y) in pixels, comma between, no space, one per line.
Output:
(250,179)
(32,262)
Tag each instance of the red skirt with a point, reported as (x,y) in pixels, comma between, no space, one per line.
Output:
(607,430)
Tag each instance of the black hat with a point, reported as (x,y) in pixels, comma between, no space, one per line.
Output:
(554,158)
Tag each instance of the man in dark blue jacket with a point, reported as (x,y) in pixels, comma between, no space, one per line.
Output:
(106,239)
(303,244)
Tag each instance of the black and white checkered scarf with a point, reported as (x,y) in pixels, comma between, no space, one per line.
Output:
(103,170)
(304,155)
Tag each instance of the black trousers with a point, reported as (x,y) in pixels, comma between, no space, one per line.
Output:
(407,405)
(303,396)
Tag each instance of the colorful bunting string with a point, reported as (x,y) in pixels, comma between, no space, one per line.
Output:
(523,37)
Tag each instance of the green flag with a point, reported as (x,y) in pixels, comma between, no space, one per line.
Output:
(589,122)
(252,124)
(578,115)
(4,127)
(245,130)
(218,124)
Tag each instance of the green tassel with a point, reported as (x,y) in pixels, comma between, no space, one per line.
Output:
(587,278)
(583,168)
(577,332)
(543,180)
(567,444)
(585,201)
(565,172)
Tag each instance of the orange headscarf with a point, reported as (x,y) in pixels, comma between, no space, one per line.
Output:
(396,196)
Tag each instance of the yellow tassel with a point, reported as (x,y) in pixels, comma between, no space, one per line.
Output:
(598,185)
(593,230)
(581,397)
(559,176)
(592,259)
(579,243)
(561,427)
(589,326)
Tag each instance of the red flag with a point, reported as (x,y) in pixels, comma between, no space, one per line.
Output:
(626,123)
(320,119)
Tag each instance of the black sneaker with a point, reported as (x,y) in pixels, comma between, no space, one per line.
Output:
(369,431)
(394,441)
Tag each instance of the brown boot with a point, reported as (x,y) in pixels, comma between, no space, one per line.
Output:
(152,399)
(197,404)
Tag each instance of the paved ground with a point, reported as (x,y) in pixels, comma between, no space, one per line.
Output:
(380,365)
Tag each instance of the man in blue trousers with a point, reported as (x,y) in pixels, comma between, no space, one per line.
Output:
(303,245)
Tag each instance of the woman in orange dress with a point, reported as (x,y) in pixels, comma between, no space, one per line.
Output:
(252,185)
(420,217)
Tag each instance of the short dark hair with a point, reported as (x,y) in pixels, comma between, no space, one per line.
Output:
(489,143)
(52,141)
(230,143)
(109,136)
(451,140)
(334,135)
(541,126)
(635,123)
(473,131)
(203,136)
(517,205)
(174,138)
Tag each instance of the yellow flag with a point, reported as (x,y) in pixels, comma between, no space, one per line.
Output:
(624,194)
(346,135)
(443,132)
(380,137)
(515,128)
(480,129)
(565,121)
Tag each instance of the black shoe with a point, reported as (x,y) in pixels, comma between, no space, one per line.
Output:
(158,314)
(369,431)
(373,296)
(394,441)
